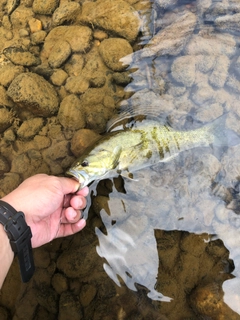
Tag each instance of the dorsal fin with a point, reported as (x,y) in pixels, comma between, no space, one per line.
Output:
(126,114)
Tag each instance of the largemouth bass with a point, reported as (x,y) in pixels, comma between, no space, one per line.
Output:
(145,144)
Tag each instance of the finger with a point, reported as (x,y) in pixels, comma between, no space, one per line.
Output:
(71,215)
(78,202)
(83,192)
(69,185)
(71,228)
(66,200)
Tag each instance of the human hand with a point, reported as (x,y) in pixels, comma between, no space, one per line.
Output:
(50,205)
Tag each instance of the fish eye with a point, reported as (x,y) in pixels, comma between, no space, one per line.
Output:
(84,163)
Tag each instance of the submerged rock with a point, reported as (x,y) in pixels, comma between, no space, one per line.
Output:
(19,56)
(79,38)
(114,16)
(112,50)
(44,7)
(31,91)
(66,12)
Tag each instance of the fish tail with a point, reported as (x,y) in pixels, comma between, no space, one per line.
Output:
(221,135)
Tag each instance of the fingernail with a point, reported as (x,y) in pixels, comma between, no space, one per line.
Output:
(74,215)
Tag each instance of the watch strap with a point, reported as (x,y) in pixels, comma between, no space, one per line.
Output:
(19,234)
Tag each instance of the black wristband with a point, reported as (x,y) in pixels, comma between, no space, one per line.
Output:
(19,234)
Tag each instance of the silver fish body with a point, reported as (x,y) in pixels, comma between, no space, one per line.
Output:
(147,143)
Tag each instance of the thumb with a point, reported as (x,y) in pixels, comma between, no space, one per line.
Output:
(69,185)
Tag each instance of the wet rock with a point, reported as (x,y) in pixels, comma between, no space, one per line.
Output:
(202,93)
(211,44)
(97,116)
(9,135)
(38,37)
(30,128)
(11,5)
(166,3)
(32,92)
(4,313)
(59,54)
(183,26)
(20,16)
(183,70)
(58,150)
(59,283)
(79,38)
(69,304)
(70,113)
(114,16)
(6,22)
(59,77)
(82,139)
(87,294)
(35,25)
(209,112)
(94,65)
(220,72)
(203,5)
(74,65)
(4,99)
(6,119)
(100,35)
(41,142)
(193,245)
(233,83)
(122,78)
(9,182)
(109,102)
(4,165)
(228,22)
(42,313)
(112,50)
(23,33)
(77,85)
(40,277)
(41,258)
(205,63)
(47,298)
(20,56)
(29,163)
(73,267)
(43,70)
(66,12)
(207,301)
(97,81)
(44,7)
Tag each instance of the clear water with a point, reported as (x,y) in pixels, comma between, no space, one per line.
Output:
(165,245)
(195,193)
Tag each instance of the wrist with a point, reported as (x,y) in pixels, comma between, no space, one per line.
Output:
(6,255)
(18,237)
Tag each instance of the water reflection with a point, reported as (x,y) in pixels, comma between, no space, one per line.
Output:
(173,196)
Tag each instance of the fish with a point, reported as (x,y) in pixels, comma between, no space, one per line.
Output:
(143,144)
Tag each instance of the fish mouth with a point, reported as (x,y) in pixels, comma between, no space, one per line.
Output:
(80,176)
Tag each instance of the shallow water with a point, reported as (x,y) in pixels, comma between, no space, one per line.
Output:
(166,244)
(189,194)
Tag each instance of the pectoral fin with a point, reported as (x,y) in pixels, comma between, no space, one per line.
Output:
(115,156)
(136,157)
